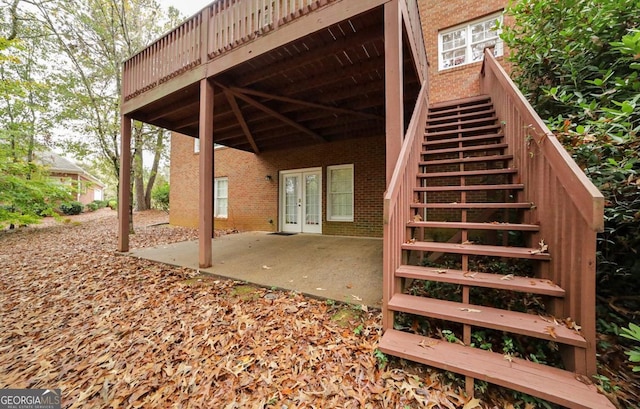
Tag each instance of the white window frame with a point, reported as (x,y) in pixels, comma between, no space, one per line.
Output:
(196,145)
(467,47)
(330,216)
(217,213)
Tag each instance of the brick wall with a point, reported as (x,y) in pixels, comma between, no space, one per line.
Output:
(253,200)
(437,15)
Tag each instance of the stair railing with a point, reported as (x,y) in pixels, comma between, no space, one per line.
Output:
(398,199)
(566,205)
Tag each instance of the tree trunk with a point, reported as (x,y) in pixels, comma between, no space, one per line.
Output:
(138,170)
(159,147)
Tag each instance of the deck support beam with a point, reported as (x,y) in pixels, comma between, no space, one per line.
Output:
(124,188)
(205,131)
(393,84)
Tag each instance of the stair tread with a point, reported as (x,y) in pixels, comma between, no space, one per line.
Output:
(463,130)
(552,384)
(480,172)
(470,111)
(487,317)
(492,205)
(469,159)
(463,139)
(512,186)
(475,226)
(477,249)
(435,113)
(476,99)
(485,147)
(477,279)
(486,118)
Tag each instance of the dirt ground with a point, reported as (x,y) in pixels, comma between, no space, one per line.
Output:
(112,331)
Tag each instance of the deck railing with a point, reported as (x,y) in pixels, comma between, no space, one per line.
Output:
(568,207)
(398,199)
(219,27)
(414,27)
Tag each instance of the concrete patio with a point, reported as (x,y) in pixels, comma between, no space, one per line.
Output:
(347,269)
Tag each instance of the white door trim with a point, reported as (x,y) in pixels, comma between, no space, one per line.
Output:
(305,223)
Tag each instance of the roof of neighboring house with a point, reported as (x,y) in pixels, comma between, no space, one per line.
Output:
(60,164)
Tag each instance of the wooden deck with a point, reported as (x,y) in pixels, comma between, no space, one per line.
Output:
(285,73)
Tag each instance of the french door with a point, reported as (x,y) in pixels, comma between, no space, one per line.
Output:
(301,201)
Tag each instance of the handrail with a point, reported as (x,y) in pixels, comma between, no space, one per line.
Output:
(566,205)
(219,27)
(411,13)
(585,195)
(397,199)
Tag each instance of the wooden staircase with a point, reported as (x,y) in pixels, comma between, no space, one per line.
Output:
(466,207)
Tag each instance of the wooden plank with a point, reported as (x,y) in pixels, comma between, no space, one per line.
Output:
(484,110)
(487,147)
(477,250)
(466,173)
(519,205)
(471,159)
(475,226)
(457,102)
(486,280)
(487,317)
(555,385)
(464,130)
(459,122)
(514,186)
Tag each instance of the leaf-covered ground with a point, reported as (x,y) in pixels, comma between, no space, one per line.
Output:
(113,331)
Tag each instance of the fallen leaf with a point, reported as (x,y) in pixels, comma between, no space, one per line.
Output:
(551,331)
(470,274)
(472,404)
(507,277)
(439,271)
(468,242)
(265,267)
(355,297)
(508,357)
(469,310)
(417,218)
(542,249)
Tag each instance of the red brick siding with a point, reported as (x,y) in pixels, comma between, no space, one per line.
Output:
(253,200)
(437,15)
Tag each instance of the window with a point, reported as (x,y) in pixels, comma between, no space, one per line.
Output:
(221,198)
(465,44)
(196,145)
(340,193)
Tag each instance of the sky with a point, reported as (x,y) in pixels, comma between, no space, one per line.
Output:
(186,7)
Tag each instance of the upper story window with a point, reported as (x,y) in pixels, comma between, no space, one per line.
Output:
(465,44)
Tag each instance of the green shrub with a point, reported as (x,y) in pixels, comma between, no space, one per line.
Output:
(577,62)
(160,196)
(633,333)
(93,206)
(71,208)
(113,204)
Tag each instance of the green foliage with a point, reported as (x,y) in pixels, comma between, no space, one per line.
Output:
(578,62)
(113,204)
(160,196)
(71,208)
(382,359)
(633,333)
(26,192)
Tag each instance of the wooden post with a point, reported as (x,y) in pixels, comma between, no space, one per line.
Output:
(124,190)
(394,115)
(205,131)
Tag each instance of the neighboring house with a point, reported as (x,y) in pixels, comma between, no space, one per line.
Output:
(86,187)
(378,118)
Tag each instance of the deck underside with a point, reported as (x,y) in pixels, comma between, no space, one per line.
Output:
(327,85)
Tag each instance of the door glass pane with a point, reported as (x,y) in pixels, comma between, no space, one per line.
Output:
(291,199)
(312,199)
